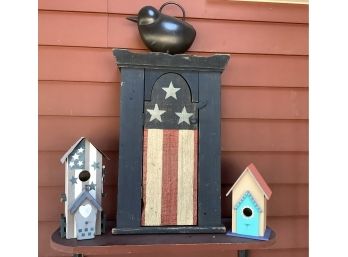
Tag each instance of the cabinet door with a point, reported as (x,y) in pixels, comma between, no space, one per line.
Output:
(170,153)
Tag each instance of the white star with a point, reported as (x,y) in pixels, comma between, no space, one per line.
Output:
(184,116)
(171,90)
(80,163)
(80,150)
(75,156)
(71,163)
(156,113)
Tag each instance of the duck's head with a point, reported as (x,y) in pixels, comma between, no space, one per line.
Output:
(147,15)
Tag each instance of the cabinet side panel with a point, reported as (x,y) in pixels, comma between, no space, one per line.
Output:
(130,148)
(209,176)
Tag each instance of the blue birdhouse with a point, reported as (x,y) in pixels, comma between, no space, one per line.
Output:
(250,194)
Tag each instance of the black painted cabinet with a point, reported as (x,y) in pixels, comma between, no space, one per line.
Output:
(144,105)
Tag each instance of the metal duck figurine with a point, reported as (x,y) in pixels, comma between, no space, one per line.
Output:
(163,33)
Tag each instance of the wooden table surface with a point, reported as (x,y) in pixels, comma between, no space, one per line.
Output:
(155,244)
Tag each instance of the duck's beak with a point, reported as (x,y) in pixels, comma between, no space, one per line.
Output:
(133,18)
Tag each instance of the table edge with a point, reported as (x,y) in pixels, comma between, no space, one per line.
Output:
(146,248)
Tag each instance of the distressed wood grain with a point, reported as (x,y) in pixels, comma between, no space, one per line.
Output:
(153,178)
(186,178)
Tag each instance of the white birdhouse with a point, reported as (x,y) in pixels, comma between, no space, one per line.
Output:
(84,172)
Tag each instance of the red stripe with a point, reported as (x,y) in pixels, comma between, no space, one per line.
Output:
(195,177)
(144,177)
(169,177)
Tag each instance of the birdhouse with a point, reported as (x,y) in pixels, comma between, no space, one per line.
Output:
(169,145)
(84,172)
(250,194)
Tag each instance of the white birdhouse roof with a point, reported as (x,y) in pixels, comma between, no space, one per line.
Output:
(259,180)
(65,156)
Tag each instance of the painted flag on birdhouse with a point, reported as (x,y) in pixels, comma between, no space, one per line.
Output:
(170,150)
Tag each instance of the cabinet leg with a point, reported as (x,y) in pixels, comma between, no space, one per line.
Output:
(243,253)
(78,255)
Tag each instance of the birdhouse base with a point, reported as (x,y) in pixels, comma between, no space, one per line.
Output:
(266,236)
(169,230)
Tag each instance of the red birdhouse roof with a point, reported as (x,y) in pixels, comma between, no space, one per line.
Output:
(259,180)
(262,183)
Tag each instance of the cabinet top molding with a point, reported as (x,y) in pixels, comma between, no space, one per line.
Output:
(156,60)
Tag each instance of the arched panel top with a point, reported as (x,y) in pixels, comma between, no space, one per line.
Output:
(171,106)
(152,75)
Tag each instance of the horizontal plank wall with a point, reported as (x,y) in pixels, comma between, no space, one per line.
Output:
(264,100)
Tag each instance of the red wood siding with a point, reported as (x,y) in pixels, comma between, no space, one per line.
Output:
(84,64)
(264,100)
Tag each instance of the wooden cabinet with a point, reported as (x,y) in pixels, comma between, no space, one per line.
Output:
(169,177)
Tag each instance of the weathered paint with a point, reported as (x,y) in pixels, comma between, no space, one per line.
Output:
(169,177)
(153,182)
(186,175)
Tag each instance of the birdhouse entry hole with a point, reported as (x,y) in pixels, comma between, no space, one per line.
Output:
(247,212)
(84,175)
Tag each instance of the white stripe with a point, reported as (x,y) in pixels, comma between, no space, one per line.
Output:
(98,191)
(77,191)
(92,171)
(153,178)
(78,186)
(185,177)
(69,190)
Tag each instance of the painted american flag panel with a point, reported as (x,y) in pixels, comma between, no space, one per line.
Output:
(170,155)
